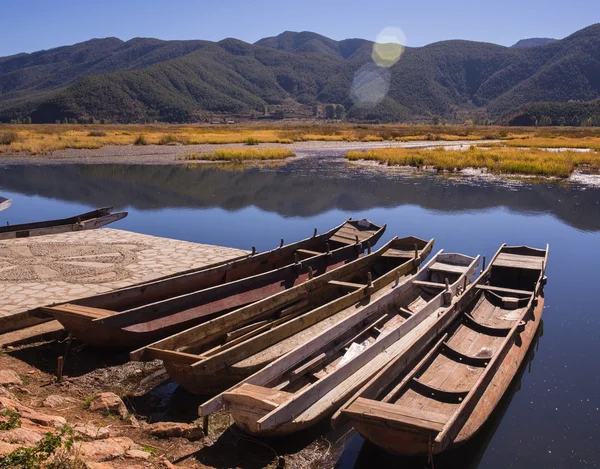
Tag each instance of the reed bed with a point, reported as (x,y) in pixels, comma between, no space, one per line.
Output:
(592,143)
(40,139)
(241,154)
(504,160)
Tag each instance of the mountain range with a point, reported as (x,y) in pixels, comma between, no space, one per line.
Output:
(144,79)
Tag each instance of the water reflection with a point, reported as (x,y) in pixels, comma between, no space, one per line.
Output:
(299,189)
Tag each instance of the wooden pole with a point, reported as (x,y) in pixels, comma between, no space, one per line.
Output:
(205,425)
(59,369)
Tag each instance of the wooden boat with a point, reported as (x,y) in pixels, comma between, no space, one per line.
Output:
(85,221)
(445,398)
(213,356)
(138,315)
(314,379)
(4,203)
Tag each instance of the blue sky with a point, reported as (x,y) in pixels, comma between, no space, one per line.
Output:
(31,25)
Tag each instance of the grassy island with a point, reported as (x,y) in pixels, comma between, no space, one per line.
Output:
(499,160)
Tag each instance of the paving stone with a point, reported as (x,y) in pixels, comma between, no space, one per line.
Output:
(144,258)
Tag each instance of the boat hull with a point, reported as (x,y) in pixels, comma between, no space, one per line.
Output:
(403,442)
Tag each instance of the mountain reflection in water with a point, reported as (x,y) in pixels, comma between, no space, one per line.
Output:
(297,190)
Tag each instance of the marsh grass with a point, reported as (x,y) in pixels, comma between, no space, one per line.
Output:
(35,139)
(241,154)
(502,160)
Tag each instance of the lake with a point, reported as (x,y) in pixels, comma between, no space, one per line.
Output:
(552,418)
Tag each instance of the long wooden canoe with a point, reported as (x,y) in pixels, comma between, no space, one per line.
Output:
(445,398)
(314,379)
(138,315)
(211,357)
(85,221)
(4,203)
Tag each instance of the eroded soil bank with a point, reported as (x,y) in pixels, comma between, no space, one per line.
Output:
(153,422)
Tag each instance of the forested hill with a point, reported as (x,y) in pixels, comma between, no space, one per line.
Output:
(179,81)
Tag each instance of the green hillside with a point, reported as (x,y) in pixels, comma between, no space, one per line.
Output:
(181,81)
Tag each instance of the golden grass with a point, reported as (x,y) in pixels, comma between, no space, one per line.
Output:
(241,154)
(40,139)
(496,160)
(556,142)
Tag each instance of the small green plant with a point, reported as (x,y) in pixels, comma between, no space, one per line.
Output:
(87,401)
(38,456)
(252,141)
(13,419)
(150,449)
(97,133)
(141,140)
(8,138)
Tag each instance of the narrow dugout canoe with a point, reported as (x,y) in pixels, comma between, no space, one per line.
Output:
(138,315)
(213,356)
(4,203)
(313,380)
(447,396)
(85,221)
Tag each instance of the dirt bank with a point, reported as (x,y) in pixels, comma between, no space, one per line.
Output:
(175,154)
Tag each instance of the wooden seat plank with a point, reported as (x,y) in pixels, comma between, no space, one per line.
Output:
(443,267)
(519,261)
(257,396)
(308,252)
(397,414)
(77,311)
(424,283)
(503,290)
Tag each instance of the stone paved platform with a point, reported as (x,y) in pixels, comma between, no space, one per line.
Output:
(43,270)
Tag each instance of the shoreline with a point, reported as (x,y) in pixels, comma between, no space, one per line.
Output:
(174,154)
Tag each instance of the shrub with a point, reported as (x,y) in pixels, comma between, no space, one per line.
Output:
(166,139)
(8,138)
(252,141)
(97,133)
(13,419)
(141,140)
(40,455)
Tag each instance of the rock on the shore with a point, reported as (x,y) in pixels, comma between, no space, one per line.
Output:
(137,454)
(91,431)
(105,450)
(6,448)
(30,414)
(175,430)
(54,400)
(9,378)
(109,402)
(22,436)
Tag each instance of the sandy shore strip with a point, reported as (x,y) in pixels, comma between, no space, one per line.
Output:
(175,154)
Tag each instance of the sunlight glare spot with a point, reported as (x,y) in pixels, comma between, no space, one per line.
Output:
(388,47)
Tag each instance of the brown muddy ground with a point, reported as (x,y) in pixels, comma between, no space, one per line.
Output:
(150,397)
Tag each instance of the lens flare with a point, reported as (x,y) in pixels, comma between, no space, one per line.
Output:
(370,85)
(388,47)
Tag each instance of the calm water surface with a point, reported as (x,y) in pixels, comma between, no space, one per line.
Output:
(551,418)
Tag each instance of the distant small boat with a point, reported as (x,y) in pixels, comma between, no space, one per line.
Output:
(85,221)
(444,399)
(4,203)
(135,316)
(314,379)
(217,354)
